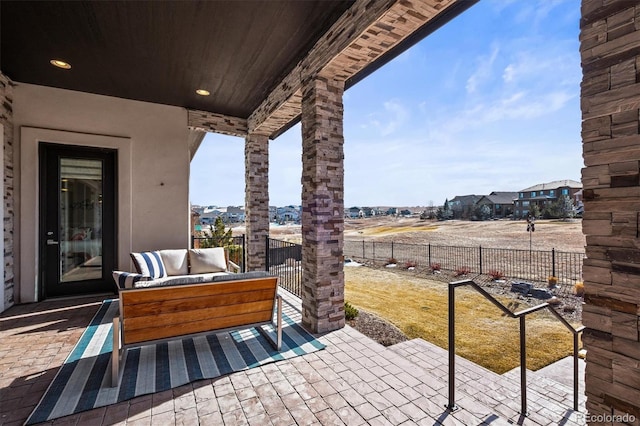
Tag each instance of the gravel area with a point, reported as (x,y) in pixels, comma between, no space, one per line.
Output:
(377,328)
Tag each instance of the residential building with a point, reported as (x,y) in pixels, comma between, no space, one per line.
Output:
(288,214)
(462,205)
(500,203)
(543,195)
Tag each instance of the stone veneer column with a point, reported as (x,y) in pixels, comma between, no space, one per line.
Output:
(6,118)
(322,205)
(610,50)
(256,159)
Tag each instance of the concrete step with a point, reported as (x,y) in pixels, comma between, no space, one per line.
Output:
(548,402)
(556,378)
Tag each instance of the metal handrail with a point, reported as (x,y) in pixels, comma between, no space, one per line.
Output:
(521,315)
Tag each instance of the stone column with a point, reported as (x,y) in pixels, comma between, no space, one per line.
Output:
(256,160)
(610,32)
(6,118)
(322,205)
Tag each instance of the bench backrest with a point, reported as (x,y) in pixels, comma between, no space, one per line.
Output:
(154,313)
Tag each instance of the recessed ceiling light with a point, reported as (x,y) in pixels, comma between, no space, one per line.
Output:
(60,64)
(203,92)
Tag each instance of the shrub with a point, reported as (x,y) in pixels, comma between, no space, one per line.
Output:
(219,236)
(410,264)
(462,270)
(391,261)
(579,288)
(496,274)
(235,253)
(349,311)
(434,267)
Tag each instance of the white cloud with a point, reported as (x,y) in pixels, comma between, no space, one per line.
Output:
(395,115)
(484,70)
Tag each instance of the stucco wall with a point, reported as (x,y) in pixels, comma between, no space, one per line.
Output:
(153,165)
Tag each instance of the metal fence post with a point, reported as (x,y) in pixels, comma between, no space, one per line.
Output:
(480,247)
(373,249)
(429,254)
(553,262)
(266,261)
(244,254)
(363,249)
(392,256)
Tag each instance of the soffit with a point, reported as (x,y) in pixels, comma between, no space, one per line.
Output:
(162,51)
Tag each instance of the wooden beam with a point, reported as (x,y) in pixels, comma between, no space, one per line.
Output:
(216,123)
(364,33)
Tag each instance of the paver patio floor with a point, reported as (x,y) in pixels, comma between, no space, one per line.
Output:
(353,381)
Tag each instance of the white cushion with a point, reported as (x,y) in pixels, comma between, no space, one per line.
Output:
(150,264)
(128,279)
(207,260)
(175,261)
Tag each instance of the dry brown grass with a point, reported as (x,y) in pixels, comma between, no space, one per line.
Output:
(418,307)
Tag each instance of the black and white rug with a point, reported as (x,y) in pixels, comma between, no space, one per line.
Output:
(83,381)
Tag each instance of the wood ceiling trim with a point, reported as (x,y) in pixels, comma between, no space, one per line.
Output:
(361,36)
(216,123)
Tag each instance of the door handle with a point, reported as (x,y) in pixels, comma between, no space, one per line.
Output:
(51,242)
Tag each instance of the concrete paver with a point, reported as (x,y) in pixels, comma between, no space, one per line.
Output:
(353,381)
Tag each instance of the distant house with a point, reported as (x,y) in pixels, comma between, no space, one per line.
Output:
(462,205)
(500,203)
(233,214)
(368,211)
(577,201)
(354,213)
(288,214)
(544,194)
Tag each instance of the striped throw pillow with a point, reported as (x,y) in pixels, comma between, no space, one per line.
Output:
(149,263)
(127,279)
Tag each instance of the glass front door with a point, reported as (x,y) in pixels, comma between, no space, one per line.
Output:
(77,220)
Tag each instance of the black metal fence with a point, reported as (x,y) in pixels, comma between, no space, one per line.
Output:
(284,260)
(236,251)
(532,265)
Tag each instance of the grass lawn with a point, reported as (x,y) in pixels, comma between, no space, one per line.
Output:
(418,307)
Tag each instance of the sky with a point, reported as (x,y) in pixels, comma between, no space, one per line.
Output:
(489,102)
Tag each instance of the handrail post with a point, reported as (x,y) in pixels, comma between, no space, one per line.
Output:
(575,371)
(451,406)
(523,366)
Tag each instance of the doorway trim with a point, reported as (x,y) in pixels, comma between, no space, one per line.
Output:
(28,238)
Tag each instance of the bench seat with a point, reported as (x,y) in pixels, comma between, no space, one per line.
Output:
(170,310)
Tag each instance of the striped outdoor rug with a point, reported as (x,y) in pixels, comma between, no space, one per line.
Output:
(83,381)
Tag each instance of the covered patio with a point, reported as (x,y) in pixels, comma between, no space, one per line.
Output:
(145,80)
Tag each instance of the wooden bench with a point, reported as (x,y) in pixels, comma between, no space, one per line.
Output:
(154,314)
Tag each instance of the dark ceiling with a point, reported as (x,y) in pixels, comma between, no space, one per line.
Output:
(162,51)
